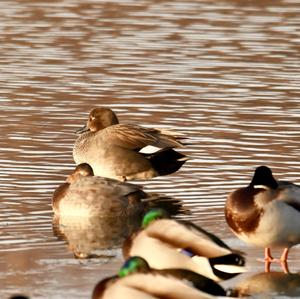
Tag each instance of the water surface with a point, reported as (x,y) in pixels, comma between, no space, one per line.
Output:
(225,73)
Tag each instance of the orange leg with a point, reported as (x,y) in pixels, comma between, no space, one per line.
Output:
(284,267)
(267,266)
(284,255)
(268,259)
(268,256)
(283,260)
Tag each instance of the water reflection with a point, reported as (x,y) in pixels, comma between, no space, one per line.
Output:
(102,237)
(95,237)
(225,73)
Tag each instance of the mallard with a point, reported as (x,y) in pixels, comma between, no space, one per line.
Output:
(86,195)
(167,243)
(137,280)
(266,213)
(116,150)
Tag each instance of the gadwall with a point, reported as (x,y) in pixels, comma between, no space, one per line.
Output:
(266,214)
(86,195)
(116,150)
(137,280)
(167,243)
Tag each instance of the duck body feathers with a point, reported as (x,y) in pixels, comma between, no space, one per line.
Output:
(265,215)
(91,196)
(115,151)
(149,286)
(166,243)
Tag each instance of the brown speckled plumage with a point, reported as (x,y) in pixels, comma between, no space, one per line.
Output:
(243,215)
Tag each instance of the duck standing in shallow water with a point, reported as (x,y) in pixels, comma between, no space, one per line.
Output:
(136,280)
(115,150)
(266,213)
(167,243)
(87,195)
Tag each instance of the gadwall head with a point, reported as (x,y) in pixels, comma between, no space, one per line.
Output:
(81,170)
(99,118)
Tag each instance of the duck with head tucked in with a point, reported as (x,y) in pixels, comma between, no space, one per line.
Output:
(137,280)
(266,213)
(167,243)
(116,150)
(84,194)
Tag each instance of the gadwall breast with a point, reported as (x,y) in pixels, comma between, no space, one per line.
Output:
(115,150)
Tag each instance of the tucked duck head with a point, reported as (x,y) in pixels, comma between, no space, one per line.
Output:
(133,265)
(153,215)
(103,285)
(99,118)
(263,177)
(83,169)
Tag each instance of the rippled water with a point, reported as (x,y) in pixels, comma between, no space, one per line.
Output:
(225,73)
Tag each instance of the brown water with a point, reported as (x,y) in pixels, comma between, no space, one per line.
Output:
(225,73)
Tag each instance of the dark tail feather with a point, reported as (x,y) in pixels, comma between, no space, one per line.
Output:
(229,259)
(167,161)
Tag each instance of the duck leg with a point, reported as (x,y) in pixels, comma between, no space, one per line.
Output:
(284,256)
(267,266)
(283,260)
(268,259)
(268,256)
(284,267)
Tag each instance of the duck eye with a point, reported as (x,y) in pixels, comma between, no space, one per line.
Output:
(240,261)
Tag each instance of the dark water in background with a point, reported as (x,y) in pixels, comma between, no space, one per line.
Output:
(225,73)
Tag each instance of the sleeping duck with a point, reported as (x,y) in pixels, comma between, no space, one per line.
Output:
(266,213)
(84,194)
(167,243)
(137,280)
(118,150)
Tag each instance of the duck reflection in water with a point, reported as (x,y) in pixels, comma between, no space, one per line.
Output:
(269,285)
(95,237)
(266,213)
(93,213)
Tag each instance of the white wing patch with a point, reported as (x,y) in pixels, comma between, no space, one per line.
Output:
(149,149)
